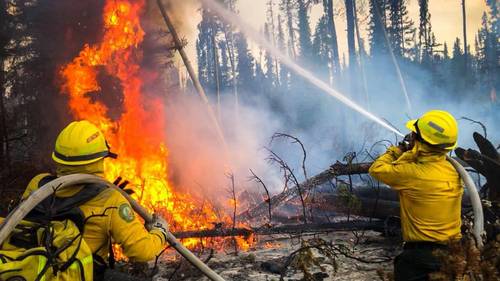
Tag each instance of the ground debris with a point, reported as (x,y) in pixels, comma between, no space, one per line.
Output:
(326,256)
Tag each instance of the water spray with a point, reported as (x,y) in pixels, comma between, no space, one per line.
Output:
(394,61)
(250,32)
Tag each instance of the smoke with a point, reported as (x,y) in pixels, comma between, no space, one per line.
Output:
(328,129)
(197,159)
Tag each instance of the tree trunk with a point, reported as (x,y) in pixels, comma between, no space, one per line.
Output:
(333,35)
(230,50)
(291,30)
(361,49)
(4,138)
(464,23)
(216,70)
(349,6)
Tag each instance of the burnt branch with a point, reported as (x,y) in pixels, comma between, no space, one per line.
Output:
(233,195)
(275,158)
(375,225)
(268,200)
(476,122)
(297,141)
(337,169)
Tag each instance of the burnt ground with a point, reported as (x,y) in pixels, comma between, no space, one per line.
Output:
(345,255)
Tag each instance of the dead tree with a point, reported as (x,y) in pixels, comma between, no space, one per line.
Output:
(464,26)
(268,199)
(349,6)
(376,225)
(337,169)
(274,158)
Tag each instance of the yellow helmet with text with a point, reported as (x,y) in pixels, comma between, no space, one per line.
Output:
(437,128)
(80,143)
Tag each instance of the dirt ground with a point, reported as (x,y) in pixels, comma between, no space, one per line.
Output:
(368,253)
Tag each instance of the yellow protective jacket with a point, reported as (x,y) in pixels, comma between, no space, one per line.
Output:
(430,192)
(109,216)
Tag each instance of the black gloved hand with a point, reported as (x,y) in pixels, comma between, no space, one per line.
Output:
(486,162)
(122,184)
(408,142)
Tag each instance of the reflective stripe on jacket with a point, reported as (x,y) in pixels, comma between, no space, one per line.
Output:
(430,192)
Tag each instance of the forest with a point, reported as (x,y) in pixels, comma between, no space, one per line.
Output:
(255,145)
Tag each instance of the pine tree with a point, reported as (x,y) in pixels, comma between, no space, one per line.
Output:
(332,31)
(487,55)
(272,38)
(321,47)
(401,28)
(283,72)
(446,54)
(456,68)
(305,45)
(424,31)
(204,50)
(353,61)
(376,27)
(269,74)
(288,10)
(245,65)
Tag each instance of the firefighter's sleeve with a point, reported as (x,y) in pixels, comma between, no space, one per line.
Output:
(127,230)
(398,175)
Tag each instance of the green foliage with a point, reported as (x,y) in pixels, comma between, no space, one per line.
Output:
(348,199)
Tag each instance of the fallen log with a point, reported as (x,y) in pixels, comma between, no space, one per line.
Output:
(369,206)
(284,229)
(337,169)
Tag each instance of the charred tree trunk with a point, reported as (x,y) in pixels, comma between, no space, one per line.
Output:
(291,30)
(338,169)
(216,69)
(284,229)
(361,50)
(349,6)
(464,25)
(229,38)
(3,123)
(4,136)
(333,35)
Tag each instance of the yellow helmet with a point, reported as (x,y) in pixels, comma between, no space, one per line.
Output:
(80,143)
(436,127)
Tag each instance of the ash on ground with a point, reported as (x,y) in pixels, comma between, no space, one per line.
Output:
(345,255)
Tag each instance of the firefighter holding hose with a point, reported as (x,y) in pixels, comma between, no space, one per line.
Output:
(430,192)
(108,217)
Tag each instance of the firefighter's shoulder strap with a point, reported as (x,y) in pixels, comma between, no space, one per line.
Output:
(61,208)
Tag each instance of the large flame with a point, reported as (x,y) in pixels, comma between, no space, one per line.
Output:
(138,134)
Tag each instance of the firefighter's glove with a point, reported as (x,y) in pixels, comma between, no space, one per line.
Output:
(486,162)
(407,143)
(158,223)
(122,185)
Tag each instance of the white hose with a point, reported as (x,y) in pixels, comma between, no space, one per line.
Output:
(478,228)
(15,217)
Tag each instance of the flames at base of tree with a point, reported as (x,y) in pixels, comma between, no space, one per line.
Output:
(137,136)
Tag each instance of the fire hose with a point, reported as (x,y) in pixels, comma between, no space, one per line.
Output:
(477,208)
(20,212)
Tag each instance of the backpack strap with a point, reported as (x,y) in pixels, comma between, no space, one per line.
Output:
(61,208)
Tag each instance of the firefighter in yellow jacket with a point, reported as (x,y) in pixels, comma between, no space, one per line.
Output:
(81,148)
(430,192)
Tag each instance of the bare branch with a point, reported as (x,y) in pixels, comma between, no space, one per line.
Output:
(476,122)
(275,158)
(294,140)
(268,200)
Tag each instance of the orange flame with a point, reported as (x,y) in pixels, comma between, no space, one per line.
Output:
(138,134)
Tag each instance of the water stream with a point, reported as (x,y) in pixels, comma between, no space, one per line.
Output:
(258,38)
